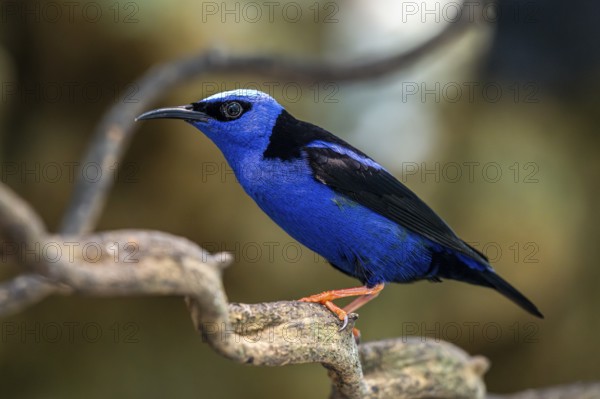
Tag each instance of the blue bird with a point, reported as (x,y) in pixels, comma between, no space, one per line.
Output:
(335,200)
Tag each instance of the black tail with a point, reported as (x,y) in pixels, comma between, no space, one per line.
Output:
(456,270)
(503,287)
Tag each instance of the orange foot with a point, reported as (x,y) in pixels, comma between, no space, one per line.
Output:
(364,294)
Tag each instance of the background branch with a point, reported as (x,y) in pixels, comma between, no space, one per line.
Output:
(116,128)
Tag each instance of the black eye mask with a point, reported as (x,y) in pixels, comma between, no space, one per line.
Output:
(217,109)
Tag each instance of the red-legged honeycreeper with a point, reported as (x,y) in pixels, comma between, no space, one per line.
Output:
(335,200)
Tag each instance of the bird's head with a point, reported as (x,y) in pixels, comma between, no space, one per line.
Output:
(238,120)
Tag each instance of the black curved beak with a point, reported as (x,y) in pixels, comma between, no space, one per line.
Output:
(185,112)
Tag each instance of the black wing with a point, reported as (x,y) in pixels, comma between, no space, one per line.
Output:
(381,192)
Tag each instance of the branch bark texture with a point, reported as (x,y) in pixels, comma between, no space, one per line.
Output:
(266,334)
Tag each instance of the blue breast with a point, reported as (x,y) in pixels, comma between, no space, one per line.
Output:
(354,239)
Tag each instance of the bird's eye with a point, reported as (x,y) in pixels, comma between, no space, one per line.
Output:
(231,110)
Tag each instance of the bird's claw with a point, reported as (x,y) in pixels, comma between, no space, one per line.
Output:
(345,323)
(325,298)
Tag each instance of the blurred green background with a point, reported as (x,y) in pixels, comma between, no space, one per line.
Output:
(496,131)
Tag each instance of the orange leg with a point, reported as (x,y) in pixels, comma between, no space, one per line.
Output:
(364,294)
(361,301)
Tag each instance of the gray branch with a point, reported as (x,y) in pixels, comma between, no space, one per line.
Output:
(140,262)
